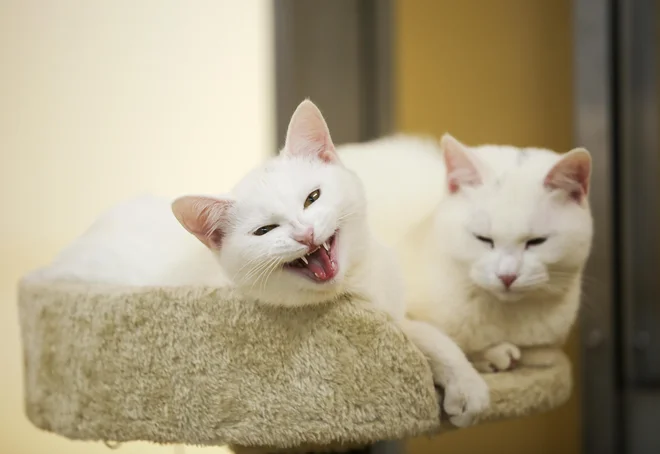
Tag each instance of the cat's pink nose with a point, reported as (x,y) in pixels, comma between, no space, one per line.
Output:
(305,237)
(507,279)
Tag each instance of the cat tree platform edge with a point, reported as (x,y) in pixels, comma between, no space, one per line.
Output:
(203,367)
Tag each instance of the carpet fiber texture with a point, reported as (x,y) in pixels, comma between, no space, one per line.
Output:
(201,366)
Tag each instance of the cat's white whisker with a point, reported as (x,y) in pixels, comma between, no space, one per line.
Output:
(256,277)
(248,263)
(255,270)
(345,216)
(272,266)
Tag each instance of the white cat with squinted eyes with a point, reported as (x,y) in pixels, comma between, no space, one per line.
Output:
(292,232)
(493,239)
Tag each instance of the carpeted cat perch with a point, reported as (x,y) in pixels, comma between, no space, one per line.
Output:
(199,366)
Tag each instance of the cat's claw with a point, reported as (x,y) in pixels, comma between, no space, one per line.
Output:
(465,397)
(501,357)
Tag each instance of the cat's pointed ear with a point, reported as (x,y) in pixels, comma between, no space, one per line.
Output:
(308,134)
(205,217)
(571,174)
(462,168)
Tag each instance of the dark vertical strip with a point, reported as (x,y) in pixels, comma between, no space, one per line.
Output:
(376,50)
(594,116)
(615,178)
(639,191)
(339,54)
(385,32)
(368,68)
(283,12)
(637,175)
(617,368)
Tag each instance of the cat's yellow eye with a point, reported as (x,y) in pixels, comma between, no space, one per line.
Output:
(265,229)
(312,197)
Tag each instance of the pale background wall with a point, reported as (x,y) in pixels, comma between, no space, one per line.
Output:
(101,100)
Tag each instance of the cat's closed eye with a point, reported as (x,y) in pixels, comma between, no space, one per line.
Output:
(535,242)
(312,197)
(265,229)
(483,239)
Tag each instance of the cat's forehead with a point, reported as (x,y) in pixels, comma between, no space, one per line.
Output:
(280,176)
(514,200)
(278,188)
(507,209)
(513,163)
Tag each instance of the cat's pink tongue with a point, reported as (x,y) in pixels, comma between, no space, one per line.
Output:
(321,265)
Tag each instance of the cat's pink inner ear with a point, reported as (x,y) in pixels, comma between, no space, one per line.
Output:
(204,217)
(571,174)
(461,167)
(308,134)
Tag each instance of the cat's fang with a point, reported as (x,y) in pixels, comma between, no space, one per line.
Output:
(304,259)
(326,247)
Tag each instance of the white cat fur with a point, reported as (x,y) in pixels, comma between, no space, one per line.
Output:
(451,276)
(137,244)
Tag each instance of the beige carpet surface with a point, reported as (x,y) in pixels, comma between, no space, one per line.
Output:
(200,366)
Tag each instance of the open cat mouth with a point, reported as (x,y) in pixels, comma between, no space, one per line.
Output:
(320,264)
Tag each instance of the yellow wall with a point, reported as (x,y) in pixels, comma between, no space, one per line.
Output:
(500,72)
(101,100)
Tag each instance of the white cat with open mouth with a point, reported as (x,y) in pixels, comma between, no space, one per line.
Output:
(293,231)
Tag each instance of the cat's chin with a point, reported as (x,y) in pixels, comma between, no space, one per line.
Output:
(508,296)
(505,296)
(320,265)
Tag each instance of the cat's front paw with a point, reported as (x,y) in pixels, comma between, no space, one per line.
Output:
(498,358)
(465,397)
